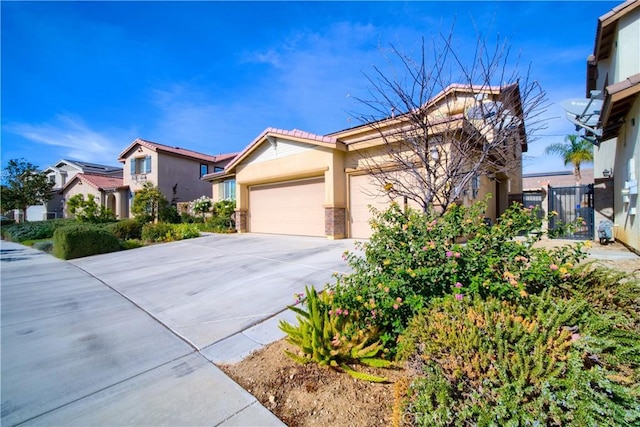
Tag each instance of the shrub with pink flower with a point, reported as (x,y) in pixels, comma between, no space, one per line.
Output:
(417,257)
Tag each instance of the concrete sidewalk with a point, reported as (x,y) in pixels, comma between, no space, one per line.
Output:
(131,338)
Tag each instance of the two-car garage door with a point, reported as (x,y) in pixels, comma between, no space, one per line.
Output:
(291,207)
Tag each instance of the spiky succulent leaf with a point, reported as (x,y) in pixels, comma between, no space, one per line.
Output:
(363,376)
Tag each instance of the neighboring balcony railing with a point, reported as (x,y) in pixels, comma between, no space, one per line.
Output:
(139,178)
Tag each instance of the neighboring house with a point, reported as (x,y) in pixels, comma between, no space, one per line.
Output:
(614,69)
(107,190)
(176,171)
(61,173)
(295,182)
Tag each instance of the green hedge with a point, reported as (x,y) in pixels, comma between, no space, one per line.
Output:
(33,230)
(75,241)
(6,222)
(163,232)
(126,229)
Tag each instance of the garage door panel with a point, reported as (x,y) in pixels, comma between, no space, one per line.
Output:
(364,192)
(292,207)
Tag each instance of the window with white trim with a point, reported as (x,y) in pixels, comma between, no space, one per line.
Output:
(228,190)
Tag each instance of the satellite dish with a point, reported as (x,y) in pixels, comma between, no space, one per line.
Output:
(587,111)
(584,113)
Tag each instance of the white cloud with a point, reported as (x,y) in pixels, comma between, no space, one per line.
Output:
(74,138)
(269,57)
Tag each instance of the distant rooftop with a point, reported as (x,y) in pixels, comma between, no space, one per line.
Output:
(541,174)
(94,168)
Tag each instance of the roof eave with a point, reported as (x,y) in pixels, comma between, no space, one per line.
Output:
(619,99)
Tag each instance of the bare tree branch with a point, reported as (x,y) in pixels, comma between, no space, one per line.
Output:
(445,120)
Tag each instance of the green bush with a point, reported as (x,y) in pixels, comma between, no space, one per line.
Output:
(414,257)
(131,244)
(187,218)
(43,245)
(492,362)
(88,210)
(221,220)
(169,214)
(5,222)
(23,231)
(126,229)
(163,232)
(80,240)
(614,297)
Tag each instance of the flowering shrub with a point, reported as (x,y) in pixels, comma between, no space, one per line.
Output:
(414,257)
(89,210)
(201,206)
(223,217)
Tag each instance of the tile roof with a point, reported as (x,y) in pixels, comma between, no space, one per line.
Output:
(296,133)
(99,182)
(183,152)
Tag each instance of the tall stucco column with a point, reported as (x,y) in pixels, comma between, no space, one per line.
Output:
(118,208)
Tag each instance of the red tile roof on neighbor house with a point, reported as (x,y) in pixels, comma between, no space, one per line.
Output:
(182,152)
(99,182)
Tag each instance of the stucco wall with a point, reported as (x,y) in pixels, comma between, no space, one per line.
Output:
(498,187)
(627,46)
(628,155)
(172,170)
(166,172)
(78,187)
(140,153)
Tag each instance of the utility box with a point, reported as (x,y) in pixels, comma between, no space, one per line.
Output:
(605,231)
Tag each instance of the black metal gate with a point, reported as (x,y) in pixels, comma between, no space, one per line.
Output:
(533,199)
(570,204)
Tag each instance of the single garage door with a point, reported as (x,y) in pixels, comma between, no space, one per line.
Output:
(364,191)
(292,207)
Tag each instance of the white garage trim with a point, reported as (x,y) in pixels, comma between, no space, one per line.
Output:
(290,207)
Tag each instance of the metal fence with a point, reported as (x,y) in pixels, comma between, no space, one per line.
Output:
(570,204)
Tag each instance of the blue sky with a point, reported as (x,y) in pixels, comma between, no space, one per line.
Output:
(82,80)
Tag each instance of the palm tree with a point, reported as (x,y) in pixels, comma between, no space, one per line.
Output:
(575,150)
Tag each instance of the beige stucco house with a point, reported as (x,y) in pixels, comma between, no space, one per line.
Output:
(295,182)
(62,172)
(108,191)
(176,171)
(614,69)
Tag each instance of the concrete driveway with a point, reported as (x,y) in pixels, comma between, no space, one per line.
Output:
(129,338)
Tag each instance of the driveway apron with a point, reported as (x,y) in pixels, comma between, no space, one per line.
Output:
(128,338)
